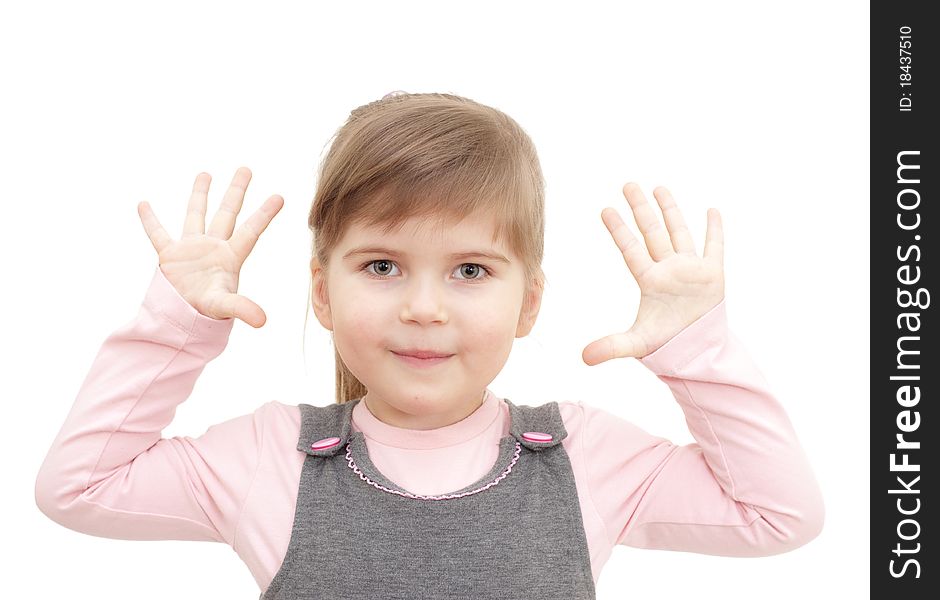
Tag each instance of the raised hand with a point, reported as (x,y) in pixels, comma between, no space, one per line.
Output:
(676,285)
(204,266)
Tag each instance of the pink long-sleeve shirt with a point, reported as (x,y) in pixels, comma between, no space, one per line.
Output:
(744,488)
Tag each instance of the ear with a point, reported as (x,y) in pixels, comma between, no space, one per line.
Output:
(321,297)
(530,307)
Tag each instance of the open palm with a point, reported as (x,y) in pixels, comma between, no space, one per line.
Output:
(204,265)
(676,285)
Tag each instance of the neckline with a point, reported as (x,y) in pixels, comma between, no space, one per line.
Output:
(417,439)
(358,455)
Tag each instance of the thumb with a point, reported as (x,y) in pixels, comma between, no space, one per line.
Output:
(233,305)
(617,345)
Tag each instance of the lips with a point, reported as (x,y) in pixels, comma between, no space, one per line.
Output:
(422,353)
(434,359)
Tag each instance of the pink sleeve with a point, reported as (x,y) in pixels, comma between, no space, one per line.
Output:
(745,488)
(110,474)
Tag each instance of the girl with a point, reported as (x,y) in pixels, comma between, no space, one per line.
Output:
(420,481)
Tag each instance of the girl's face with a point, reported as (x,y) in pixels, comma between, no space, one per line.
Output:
(424,288)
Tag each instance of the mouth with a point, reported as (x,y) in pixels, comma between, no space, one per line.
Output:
(423,359)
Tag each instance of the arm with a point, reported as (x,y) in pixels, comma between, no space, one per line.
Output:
(744,488)
(110,474)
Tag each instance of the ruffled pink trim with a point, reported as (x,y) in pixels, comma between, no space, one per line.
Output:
(352,465)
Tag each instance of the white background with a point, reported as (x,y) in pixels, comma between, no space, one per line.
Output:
(759,110)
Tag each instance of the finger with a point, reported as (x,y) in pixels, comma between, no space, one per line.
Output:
(224,221)
(675,223)
(233,305)
(714,237)
(195,223)
(618,345)
(634,254)
(657,239)
(155,231)
(247,235)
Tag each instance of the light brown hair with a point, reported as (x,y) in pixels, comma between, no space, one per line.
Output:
(430,155)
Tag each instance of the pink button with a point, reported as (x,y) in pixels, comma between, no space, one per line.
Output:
(536,436)
(325,443)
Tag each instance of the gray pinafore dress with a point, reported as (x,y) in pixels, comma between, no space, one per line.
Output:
(515,533)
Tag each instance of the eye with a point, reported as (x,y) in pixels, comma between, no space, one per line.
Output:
(472,271)
(382,267)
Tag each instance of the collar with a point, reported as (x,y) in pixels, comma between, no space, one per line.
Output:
(471,426)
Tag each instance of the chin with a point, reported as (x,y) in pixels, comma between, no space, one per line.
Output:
(415,403)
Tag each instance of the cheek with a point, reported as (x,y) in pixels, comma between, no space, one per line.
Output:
(488,329)
(358,325)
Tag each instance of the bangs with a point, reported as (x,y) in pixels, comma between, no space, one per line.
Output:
(464,189)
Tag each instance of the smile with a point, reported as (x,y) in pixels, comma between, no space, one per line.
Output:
(422,362)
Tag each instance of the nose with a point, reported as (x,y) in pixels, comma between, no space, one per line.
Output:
(424,301)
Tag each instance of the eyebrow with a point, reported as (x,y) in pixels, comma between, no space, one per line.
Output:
(468,254)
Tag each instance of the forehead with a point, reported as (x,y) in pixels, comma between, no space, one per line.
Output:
(478,230)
